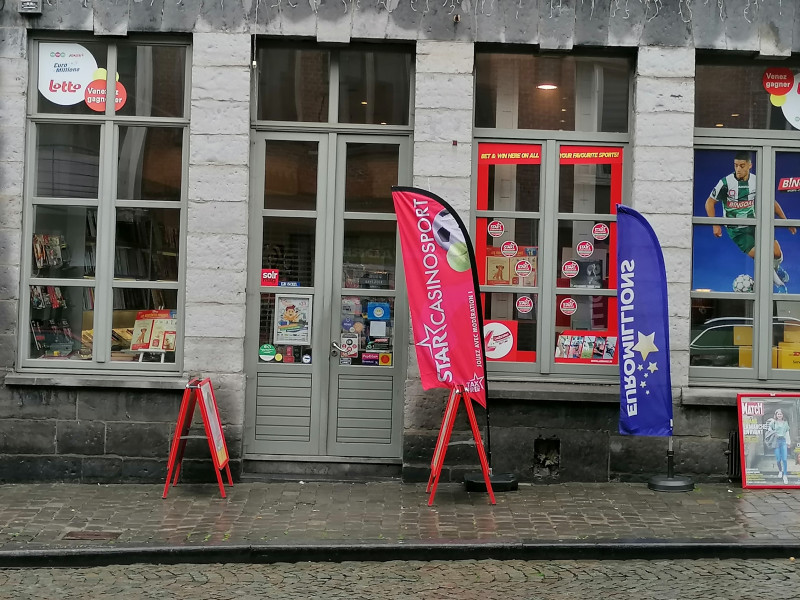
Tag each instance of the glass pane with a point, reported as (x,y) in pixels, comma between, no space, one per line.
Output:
(787,183)
(290,179)
(288,248)
(153,79)
(64,241)
(507,251)
(371,171)
(719,260)
(722,333)
(513,188)
(766,96)
(584,254)
(785,252)
(67,160)
(293,84)
(60,317)
(509,326)
(725,183)
(786,334)
(147,241)
(367,331)
(369,254)
(144,325)
(150,163)
(65,72)
(585,313)
(518,91)
(374,87)
(585,189)
(279,344)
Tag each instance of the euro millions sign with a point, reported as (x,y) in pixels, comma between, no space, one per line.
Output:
(644,365)
(442,290)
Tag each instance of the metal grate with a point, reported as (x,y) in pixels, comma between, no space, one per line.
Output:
(734,460)
(91,535)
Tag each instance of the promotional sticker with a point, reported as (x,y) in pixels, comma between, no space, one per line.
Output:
(509,248)
(568,306)
(524,304)
(349,345)
(523,268)
(269,277)
(584,249)
(267,352)
(600,231)
(496,228)
(498,340)
(65,71)
(370,358)
(569,269)
(378,311)
(385,359)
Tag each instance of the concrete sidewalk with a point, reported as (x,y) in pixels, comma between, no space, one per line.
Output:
(291,521)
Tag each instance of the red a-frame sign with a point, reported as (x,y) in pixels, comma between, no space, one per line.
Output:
(198,392)
(457,394)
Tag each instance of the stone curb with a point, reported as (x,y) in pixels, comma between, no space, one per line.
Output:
(444,550)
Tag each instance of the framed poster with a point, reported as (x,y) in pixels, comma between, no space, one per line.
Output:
(769,432)
(292,319)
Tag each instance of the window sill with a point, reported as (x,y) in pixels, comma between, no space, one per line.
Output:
(132,381)
(558,392)
(720,396)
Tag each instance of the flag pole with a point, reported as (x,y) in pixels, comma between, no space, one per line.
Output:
(670,483)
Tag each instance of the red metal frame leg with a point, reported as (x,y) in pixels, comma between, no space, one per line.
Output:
(479,445)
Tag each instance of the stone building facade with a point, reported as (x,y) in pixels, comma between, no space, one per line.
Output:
(115,425)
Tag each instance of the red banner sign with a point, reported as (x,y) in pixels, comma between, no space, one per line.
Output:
(442,291)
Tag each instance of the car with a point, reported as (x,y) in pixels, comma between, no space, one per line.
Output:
(713,343)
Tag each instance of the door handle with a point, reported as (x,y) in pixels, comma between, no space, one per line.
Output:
(335,347)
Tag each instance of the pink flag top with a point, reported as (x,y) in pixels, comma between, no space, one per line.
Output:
(442,282)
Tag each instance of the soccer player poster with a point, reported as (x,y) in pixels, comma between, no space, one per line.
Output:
(726,185)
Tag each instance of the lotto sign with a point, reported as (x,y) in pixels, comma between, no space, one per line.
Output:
(570,269)
(600,231)
(585,249)
(523,268)
(778,81)
(496,228)
(524,304)
(65,71)
(509,249)
(568,306)
(269,277)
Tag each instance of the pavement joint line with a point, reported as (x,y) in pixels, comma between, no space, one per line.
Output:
(390,551)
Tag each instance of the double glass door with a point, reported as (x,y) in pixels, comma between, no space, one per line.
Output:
(327,324)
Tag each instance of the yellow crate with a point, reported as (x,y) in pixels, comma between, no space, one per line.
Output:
(788,356)
(746,356)
(743,335)
(791,333)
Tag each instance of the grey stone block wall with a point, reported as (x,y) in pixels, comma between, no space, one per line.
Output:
(98,435)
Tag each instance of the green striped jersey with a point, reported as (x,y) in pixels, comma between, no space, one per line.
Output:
(738,197)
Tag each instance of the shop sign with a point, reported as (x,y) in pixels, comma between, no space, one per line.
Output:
(778,81)
(524,304)
(585,249)
(65,71)
(523,268)
(496,228)
(570,269)
(600,231)
(509,249)
(498,340)
(568,306)
(267,352)
(269,277)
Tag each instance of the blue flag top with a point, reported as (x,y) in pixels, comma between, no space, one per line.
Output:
(644,380)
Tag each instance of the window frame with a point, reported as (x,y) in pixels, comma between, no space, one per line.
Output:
(549,216)
(106,204)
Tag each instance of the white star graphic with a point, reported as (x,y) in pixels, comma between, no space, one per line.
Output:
(652,367)
(641,367)
(646,344)
(643,385)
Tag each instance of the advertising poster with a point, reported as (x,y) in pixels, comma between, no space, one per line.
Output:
(721,260)
(292,320)
(150,329)
(586,347)
(769,436)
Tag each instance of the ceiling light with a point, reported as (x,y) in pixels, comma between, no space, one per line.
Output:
(734,114)
(364,102)
(719,125)
(547,86)
(563,110)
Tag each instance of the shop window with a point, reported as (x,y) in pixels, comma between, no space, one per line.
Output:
(106,205)
(372,88)
(563,93)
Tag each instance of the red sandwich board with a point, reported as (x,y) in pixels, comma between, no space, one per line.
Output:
(457,394)
(198,392)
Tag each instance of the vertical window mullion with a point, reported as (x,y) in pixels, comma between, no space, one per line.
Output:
(762,326)
(548,222)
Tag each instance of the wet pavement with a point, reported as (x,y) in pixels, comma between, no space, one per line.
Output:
(291,521)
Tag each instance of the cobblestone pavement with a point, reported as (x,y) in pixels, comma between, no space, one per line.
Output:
(45,516)
(465,580)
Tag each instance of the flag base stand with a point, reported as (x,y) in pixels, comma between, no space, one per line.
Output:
(501,482)
(670,482)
